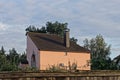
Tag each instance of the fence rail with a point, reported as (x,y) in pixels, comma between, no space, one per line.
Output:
(82,75)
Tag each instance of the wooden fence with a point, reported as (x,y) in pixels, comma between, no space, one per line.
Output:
(82,75)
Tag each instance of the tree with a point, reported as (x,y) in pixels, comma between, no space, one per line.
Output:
(2,57)
(98,47)
(31,28)
(42,30)
(2,51)
(13,56)
(51,28)
(23,58)
(116,61)
(2,60)
(56,28)
(100,52)
(10,61)
(73,39)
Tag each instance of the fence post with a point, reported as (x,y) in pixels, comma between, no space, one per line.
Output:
(67,78)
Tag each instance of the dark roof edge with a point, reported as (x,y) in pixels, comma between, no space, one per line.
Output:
(67,51)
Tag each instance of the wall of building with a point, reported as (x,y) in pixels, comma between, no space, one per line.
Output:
(32,50)
(48,58)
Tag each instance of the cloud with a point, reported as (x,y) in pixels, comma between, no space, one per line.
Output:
(3,26)
(13,37)
(101,15)
(96,17)
(86,18)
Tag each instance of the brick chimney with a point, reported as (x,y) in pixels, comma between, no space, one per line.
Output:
(66,38)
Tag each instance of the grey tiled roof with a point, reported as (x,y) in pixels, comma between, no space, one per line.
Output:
(52,42)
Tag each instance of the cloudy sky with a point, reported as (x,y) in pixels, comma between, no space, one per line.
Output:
(86,19)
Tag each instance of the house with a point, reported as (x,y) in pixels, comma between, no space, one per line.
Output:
(45,50)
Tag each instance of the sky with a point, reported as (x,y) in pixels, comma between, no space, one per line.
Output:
(85,18)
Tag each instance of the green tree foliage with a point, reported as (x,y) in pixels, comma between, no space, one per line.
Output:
(98,47)
(11,60)
(100,52)
(116,60)
(32,28)
(56,28)
(2,56)
(2,60)
(23,58)
(2,51)
(13,56)
(51,28)
(73,39)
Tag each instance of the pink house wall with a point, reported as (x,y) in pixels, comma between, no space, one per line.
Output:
(32,49)
(53,58)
